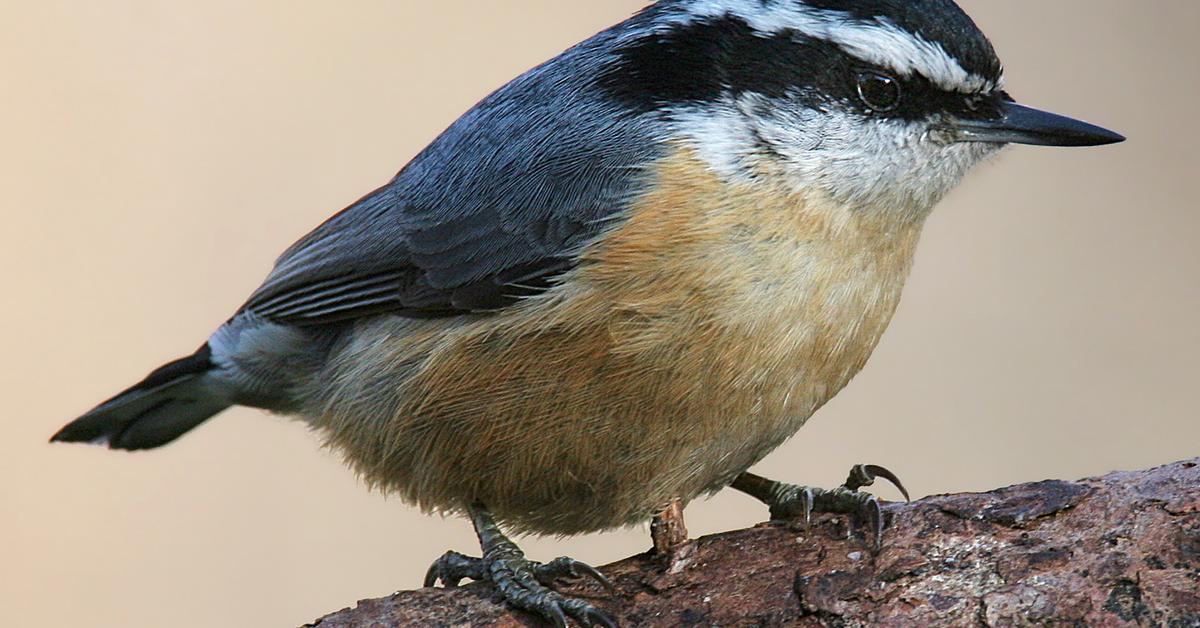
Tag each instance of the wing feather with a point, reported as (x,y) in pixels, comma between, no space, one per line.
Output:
(493,210)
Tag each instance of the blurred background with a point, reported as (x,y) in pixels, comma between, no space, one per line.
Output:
(157,156)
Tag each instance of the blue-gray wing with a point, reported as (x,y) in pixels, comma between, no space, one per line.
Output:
(492,210)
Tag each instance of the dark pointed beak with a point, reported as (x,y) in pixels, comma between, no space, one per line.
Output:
(1019,124)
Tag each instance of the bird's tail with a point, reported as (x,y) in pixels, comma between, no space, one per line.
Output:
(172,400)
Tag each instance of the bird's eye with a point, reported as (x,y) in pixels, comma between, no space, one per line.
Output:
(878,91)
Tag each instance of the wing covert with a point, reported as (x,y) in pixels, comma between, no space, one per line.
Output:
(494,209)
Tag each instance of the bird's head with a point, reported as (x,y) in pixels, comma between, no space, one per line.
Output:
(880,104)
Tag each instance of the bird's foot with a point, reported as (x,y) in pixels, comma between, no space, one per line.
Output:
(523,583)
(789,502)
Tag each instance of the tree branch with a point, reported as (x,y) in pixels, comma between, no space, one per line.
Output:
(1123,549)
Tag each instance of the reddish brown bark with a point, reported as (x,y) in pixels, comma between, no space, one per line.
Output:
(1119,550)
(667,530)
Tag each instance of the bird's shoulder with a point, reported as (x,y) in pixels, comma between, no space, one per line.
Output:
(495,208)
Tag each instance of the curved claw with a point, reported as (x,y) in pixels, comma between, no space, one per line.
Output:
(556,613)
(556,608)
(595,574)
(451,568)
(788,501)
(565,567)
(522,583)
(882,472)
(807,500)
(525,585)
(865,474)
(874,516)
(431,575)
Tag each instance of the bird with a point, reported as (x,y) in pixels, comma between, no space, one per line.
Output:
(620,280)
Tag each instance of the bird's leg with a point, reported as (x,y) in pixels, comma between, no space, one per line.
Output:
(523,583)
(788,501)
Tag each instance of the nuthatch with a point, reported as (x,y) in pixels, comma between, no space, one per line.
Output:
(620,280)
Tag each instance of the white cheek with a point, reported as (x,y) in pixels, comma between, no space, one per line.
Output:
(878,165)
(893,166)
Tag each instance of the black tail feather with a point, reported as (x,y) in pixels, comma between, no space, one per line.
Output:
(162,407)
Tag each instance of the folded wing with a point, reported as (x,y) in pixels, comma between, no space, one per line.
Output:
(493,210)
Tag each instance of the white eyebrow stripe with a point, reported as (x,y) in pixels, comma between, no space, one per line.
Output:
(878,42)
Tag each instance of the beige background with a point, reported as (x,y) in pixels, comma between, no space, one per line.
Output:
(156,157)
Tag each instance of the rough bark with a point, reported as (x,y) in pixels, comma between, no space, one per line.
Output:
(667,530)
(1123,549)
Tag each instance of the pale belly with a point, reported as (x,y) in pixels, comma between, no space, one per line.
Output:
(572,431)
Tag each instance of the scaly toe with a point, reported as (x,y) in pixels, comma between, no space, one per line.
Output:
(790,502)
(796,502)
(523,584)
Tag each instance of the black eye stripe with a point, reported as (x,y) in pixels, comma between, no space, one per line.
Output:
(920,99)
(712,60)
